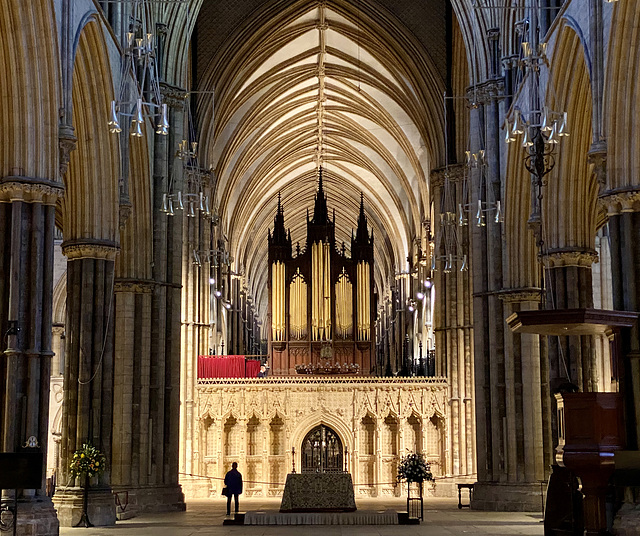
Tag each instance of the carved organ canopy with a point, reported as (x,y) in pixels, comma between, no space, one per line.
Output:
(321,296)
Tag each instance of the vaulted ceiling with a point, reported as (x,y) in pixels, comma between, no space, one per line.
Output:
(340,84)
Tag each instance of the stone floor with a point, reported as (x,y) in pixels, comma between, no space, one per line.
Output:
(204,518)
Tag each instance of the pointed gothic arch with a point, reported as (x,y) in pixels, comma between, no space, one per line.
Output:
(90,206)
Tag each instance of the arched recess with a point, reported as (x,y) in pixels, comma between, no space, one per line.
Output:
(522,269)
(30,90)
(90,206)
(311,421)
(134,261)
(569,205)
(622,98)
(180,18)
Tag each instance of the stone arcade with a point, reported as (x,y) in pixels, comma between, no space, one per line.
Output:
(144,146)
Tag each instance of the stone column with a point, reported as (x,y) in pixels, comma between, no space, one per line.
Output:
(378,474)
(507,372)
(132,424)
(242,454)
(264,426)
(88,376)
(27,212)
(164,373)
(454,332)
(624,231)
(569,286)
(354,461)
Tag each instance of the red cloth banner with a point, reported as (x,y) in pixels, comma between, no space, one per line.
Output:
(227,366)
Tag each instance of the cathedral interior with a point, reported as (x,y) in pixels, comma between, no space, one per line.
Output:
(421,217)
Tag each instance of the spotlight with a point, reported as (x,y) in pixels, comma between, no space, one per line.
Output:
(427,283)
(420,295)
(218,293)
(212,281)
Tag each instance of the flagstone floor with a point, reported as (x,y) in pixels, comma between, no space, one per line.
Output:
(205,517)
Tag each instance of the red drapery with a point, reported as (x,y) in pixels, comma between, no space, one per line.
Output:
(228,366)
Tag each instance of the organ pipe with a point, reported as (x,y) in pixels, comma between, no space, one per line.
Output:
(298,307)
(364,301)
(344,306)
(321,291)
(278,301)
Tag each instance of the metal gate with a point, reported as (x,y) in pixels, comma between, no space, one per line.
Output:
(322,451)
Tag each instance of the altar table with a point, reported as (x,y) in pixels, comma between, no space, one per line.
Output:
(318,492)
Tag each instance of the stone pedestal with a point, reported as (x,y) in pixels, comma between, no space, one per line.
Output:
(627,520)
(36,516)
(150,499)
(507,497)
(196,488)
(101,507)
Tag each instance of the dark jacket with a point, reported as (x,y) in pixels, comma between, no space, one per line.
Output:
(233,481)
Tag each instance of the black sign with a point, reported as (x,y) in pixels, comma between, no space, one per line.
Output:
(21,470)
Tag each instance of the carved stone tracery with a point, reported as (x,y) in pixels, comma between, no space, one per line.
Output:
(290,407)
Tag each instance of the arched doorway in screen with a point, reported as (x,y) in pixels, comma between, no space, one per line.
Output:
(322,451)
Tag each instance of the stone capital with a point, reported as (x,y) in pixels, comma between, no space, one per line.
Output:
(520,294)
(67,143)
(124,211)
(454,173)
(30,190)
(621,200)
(86,248)
(582,257)
(136,286)
(173,96)
(597,159)
(486,91)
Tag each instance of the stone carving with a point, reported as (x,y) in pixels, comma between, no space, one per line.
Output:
(135,286)
(597,158)
(619,201)
(90,249)
(124,211)
(173,96)
(67,143)
(584,257)
(454,172)
(288,407)
(30,190)
(523,294)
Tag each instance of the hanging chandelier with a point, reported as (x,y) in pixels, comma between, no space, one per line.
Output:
(477,162)
(447,253)
(194,179)
(139,96)
(540,127)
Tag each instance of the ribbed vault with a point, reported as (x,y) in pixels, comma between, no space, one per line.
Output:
(326,83)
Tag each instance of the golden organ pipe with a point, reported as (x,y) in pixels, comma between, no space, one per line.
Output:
(277,309)
(326,298)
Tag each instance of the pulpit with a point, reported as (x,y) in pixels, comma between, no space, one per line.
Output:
(591,426)
(590,431)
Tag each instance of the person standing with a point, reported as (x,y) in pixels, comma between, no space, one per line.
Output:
(233,481)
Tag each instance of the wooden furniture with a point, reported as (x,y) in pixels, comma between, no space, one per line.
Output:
(590,431)
(591,426)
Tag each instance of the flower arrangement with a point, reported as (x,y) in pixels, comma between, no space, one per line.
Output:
(414,468)
(87,461)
